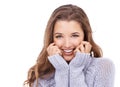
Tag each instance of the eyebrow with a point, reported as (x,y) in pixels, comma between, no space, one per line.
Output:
(57,33)
(76,33)
(62,33)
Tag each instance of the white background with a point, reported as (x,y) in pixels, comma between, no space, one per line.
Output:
(22,24)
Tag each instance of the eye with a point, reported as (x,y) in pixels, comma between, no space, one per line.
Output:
(58,36)
(75,35)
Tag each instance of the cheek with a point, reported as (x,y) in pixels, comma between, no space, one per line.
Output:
(77,42)
(58,43)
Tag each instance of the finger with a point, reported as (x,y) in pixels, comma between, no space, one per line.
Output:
(59,52)
(52,44)
(85,42)
(50,49)
(82,49)
(53,49)
(87,46)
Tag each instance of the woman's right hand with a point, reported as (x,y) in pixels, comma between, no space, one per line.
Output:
(53,49)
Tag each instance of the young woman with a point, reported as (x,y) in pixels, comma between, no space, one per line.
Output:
(70,57)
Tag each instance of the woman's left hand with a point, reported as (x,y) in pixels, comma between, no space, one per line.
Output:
(84,47)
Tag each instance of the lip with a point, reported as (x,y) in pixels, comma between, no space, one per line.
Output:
(68,52)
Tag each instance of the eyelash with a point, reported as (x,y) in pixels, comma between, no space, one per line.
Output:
(75,35)
(59,36)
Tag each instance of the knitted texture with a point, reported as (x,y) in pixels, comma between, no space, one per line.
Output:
(82,71)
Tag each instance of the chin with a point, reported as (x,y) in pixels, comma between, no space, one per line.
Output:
(68,58)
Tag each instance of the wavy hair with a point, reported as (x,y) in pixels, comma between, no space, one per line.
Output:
(68,12)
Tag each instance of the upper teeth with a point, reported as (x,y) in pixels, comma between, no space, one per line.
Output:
(67,50)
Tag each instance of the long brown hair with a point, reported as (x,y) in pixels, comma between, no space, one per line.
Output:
(65,12)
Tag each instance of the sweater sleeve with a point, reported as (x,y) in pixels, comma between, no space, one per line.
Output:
(61,70)
(104,76)
(48,82)
(77,66)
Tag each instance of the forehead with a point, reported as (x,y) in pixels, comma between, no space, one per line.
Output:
(67,26)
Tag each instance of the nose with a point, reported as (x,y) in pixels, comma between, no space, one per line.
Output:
(67,43)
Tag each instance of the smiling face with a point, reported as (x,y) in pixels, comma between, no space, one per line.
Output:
(67,36)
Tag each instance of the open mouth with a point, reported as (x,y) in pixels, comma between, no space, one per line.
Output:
(68,52)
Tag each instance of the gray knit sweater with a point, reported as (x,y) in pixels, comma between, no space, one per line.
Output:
(82,71)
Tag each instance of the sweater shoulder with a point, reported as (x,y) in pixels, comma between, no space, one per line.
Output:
(102,66)
(102,63)
(100,71)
